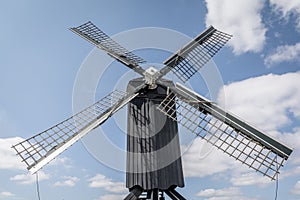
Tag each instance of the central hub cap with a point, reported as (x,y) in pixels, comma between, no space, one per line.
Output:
(150,77)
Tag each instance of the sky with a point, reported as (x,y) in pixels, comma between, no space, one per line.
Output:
(41,62)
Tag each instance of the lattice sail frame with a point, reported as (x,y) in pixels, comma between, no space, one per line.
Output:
(40,149)
(200,117)
(94,35)
(189,59)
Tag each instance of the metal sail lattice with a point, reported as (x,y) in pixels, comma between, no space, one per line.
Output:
(187,61)
(97,37)
(36,148)
(220,134)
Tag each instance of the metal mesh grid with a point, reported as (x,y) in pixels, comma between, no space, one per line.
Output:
(98,37)
(42,144)
(231,141)
(198,54)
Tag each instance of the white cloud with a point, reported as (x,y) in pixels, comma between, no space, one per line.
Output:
(219,192)
(270,102)
(284,53)
(197,165)
(296,189)
(288,8)
(6,194)
(265,101)
(219,165)
(27,179)
(291,171)
(64,162)
(9,159)
(293,140)
(240,18)
(251,178)
(69,181)
(232,193)
(100,181)
(111,197)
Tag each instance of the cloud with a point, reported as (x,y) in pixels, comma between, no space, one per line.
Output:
(219,192)
(271,103)
(111,197)
(242,19)
(286,53)
(232,193)
(287,9)
(268,101)
(9,159)
(27,179)
(100,181)
(197,165)
(69,181)
(219,165)
(296,189)
(6,194)
(251,178)
(293,140)
(64,162)
(292,171)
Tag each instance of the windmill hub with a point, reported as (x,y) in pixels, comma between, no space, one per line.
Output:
(150,76)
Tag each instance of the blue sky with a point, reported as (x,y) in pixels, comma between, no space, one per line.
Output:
(40,60)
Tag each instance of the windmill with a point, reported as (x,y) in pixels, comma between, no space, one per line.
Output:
(155,108)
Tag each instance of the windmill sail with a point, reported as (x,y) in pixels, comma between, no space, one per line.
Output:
(194,55)
(225,131)
(94,35)
(40,149)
